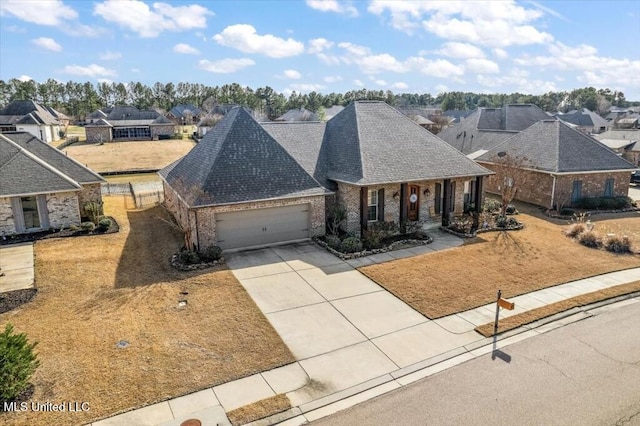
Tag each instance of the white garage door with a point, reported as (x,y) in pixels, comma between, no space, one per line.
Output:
(262,226)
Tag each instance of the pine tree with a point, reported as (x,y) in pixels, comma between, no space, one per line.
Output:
(18,362)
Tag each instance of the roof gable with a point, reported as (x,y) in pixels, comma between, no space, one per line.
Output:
(238,161)
(553,146)
(54,157)
(37,113)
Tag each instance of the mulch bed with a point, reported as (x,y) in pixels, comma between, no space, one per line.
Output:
(62,233)
(12,299)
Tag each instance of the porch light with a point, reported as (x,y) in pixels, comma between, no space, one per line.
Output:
(426,192)
(396,195)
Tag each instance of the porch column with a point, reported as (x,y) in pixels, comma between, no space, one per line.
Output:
(403,207)
(364,208)
(477,201)
(446,208)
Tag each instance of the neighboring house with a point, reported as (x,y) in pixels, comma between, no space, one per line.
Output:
(456,116)
(184,114)
(41,187)
(250,184)
(301,114)
(29,116)
(561,165)
(625,142)
(585,120)
(127,123)
(485,128)
(331,112)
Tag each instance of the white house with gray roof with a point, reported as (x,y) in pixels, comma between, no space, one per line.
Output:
(28,116)
(249,184)
(40,187)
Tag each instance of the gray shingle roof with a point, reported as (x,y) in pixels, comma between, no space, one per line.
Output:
(238,161)
(178,111)
(23,173)
(370,142)
(54,157)
(487,127)
(301,114)
(17,110)
(303,141)
(553,146)
(584,117)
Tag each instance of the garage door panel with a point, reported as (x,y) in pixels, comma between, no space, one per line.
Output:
(253,227)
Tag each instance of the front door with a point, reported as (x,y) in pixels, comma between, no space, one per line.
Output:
(413,201)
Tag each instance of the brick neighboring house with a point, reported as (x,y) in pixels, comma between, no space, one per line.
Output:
(127,123)
(184,114)
(562,165)
(250,184)
(28,116)
(586,121)
(41,187)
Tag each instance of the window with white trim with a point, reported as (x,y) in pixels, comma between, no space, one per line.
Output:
(372,203)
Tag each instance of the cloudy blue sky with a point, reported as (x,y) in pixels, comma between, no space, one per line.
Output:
(328,46)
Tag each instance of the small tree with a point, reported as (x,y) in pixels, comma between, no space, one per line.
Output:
(510,177)
(18,362)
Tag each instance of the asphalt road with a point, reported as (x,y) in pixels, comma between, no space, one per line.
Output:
(587,373)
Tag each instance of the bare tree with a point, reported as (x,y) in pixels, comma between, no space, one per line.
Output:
(510,176)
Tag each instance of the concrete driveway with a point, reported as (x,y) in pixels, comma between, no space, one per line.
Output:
(343,328)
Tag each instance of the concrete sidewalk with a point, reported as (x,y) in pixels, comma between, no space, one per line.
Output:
(352,339)
(16,265)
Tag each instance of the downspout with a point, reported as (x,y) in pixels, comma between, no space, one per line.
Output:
(553,192)
(195,214)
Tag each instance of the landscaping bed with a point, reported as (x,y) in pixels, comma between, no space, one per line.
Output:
(184,331)
(74,231)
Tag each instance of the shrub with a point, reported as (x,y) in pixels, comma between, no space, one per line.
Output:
(469,207)
(501,221)
(351,245)
(336,217)
(104,223)
(333,241)
(511,209)
(607,203)
(512,222)
(575,230)
(589,239)
(490,205)
(616,244)
(189,257)
(211,253)
(567,212)
(374,235)
(461,224)
(19,362)
(94,210)
(88,226)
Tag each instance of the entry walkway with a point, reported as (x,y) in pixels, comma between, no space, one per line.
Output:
(352,339)
(16,267)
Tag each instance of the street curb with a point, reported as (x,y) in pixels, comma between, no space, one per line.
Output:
(296,415)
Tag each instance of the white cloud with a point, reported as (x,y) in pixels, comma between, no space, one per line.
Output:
(110,56)
(292,74)
(328,59)
(500,53)
(332,79)
(304,88)
(24,78)
(435,67)
(138,17)
(244,38)
(490,23)
(135,70)
(441,88)
(378,63)
(358,83)
(354,49)
(92,70)
(225,66)
(185,49)
(517,80)
(460,50)
(482,66)
(343,8)
(105,80)
(77,29)
(41,12)
(380,82)
(47,43)
(318,45)
(400,85)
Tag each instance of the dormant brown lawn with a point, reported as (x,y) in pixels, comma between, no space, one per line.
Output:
(95,291)
(516,262)
(130,155)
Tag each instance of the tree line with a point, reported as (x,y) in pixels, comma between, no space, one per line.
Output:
(79,99)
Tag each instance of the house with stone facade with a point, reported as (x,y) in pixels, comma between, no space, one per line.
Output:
(127,123)
(249,184)
(560,165)
(42,122)
(41,188)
